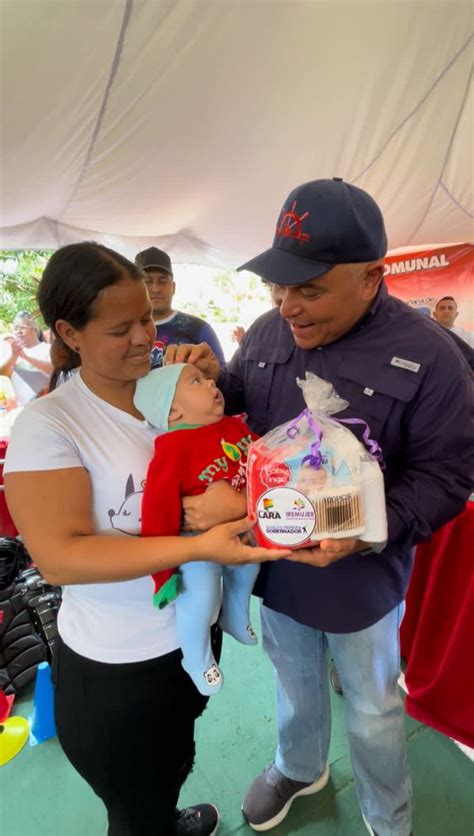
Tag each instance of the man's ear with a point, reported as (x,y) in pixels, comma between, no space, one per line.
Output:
(373,277)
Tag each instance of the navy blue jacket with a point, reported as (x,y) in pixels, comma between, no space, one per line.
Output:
(422,419)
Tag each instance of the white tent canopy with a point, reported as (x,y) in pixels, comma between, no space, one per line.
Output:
(186,124)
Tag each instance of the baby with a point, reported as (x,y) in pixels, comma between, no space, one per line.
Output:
(201,446)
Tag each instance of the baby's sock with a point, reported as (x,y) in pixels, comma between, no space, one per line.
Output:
(207,682)
(238,629)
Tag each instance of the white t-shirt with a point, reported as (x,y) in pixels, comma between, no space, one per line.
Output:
(72,427)
(27,380)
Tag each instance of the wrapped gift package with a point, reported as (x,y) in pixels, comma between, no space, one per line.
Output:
(311,479)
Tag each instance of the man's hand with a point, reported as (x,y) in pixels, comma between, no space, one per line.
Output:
(328,551)
(200,355)
(238,334)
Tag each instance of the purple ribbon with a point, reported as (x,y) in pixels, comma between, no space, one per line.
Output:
(372,445)
(315,458)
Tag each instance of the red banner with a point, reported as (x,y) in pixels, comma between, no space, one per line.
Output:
(423,277)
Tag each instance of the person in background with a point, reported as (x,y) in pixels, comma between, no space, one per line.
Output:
(7,393)
(446,312)
(125,709)
(7,405)
(29,362)
(172,327)
(464,348)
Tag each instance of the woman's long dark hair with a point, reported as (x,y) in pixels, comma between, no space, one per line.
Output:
(72,280)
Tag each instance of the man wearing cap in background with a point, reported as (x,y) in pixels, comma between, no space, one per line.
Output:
(27,359)
(403,376)
(172,327)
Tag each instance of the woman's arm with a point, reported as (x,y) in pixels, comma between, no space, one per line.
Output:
(42,365)
(7,366)
(52,511)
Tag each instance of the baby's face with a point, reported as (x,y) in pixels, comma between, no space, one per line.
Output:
(197,399)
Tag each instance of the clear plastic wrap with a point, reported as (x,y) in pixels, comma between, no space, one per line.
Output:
(311,479)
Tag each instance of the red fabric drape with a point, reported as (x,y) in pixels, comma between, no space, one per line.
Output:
(437,633)
(7,528)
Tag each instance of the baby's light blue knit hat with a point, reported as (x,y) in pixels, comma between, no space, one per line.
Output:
(155,393)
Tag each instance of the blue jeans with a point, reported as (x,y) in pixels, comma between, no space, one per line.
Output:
(368,664)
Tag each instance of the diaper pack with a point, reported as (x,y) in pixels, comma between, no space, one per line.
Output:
(312,479)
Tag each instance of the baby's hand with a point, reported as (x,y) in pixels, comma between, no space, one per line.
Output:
(218,504)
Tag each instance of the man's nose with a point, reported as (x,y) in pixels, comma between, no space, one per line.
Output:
(289,305)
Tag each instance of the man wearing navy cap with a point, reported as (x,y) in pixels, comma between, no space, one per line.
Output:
(172,327)
(407,380)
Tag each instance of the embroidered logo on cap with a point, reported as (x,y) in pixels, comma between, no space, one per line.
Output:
(290,225)
(405,364)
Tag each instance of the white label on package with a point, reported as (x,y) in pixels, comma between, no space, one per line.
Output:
(286,516)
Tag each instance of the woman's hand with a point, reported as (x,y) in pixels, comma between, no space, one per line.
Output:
(15,345)
(328,551)
(222,544)
(218,504)
(200,355)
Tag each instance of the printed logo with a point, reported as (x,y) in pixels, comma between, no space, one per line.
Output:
(290,225)
(157,354)
(286,517)
(231,450)
(128,518)
(405,364)
(275,475)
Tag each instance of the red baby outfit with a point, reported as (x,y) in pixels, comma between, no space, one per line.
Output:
(185,463)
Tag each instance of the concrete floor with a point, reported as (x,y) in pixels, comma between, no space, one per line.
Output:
(42,795)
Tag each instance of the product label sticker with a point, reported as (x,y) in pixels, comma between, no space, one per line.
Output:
(275,474)
(286,516)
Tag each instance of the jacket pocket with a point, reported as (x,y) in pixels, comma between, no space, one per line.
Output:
(375,392)
(262,363)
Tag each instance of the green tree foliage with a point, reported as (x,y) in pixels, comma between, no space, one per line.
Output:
(20,272)
(229,297)
(218,297)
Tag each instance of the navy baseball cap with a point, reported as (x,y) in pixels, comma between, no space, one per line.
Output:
(322,223)
(153,257)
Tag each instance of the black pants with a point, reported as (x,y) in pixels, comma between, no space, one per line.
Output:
(128,729)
